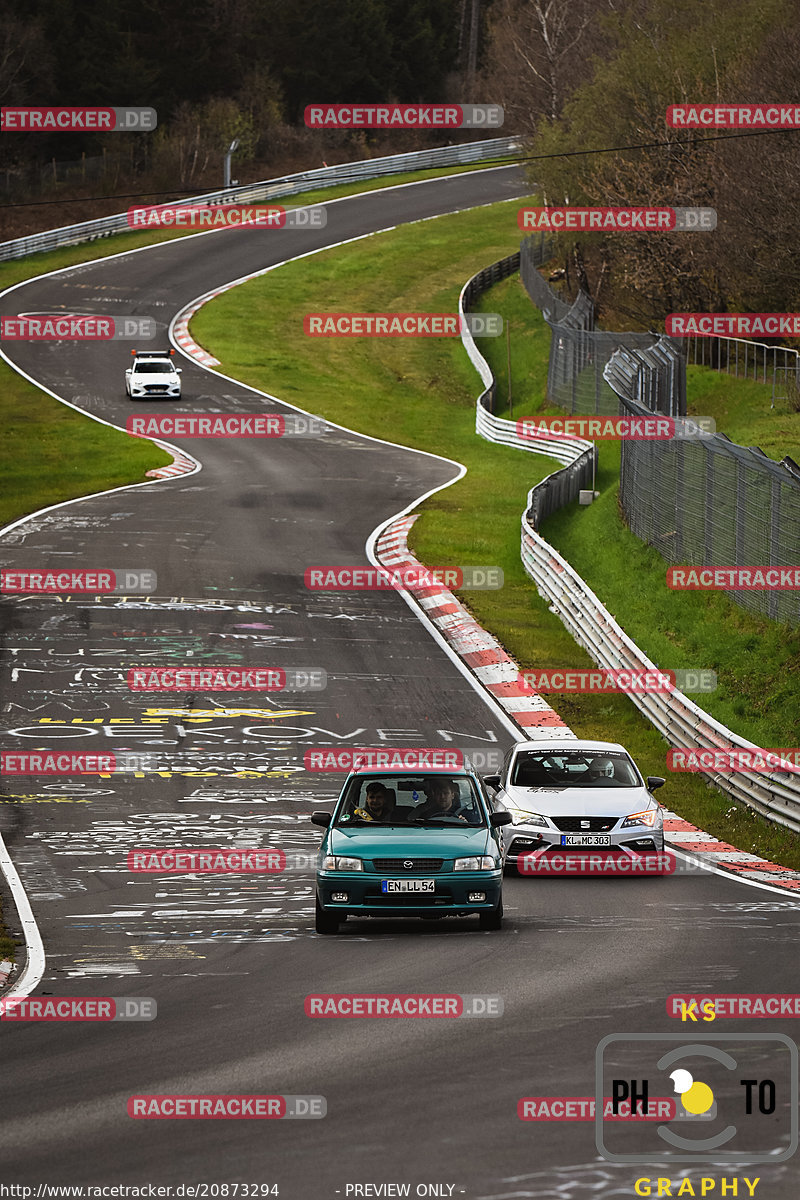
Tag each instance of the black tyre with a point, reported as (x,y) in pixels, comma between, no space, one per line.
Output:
(325,922)
(493,919)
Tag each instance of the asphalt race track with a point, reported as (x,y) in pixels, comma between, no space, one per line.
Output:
(230,960)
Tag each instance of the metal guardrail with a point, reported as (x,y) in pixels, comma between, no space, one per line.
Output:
(273,189)
(681,722)
(746,360)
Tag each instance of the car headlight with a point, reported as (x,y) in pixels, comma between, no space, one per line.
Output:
(520,817)
(335,862)
(648,817)
(483,862)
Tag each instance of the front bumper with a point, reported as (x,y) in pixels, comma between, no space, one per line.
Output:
(634,840)
(451,896)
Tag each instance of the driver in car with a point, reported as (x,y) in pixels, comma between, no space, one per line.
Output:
(443,801)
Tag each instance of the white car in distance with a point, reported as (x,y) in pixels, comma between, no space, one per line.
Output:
(153,373)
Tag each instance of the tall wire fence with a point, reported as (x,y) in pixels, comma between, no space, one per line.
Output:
(579,352)
(699,502)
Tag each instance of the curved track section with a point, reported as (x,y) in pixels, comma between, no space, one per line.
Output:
(230,961)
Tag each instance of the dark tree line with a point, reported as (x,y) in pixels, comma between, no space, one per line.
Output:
(169,54)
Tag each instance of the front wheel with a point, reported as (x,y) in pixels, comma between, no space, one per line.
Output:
(325,922)
(493,919)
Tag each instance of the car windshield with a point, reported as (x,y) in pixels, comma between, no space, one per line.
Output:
(418,800)
(574,768)
(153,368)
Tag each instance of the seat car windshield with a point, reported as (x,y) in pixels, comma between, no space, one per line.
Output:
(574,768)
(418,800)
(153,368)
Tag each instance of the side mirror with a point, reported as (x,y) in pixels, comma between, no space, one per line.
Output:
(179,370)
(493,781)
(318,817)
(654,781)
(499,818)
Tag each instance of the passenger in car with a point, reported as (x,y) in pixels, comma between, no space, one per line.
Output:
(380,804)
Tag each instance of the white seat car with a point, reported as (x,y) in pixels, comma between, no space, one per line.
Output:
(581,795)
(153,373)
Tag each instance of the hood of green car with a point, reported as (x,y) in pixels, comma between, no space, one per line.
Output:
(438,842)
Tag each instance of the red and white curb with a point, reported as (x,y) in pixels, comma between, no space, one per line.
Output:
(487,660)
(185,340)
(181,463)
(681,835)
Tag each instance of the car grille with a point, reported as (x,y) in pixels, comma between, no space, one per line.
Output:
(579,824)
(408,899)
(418,865)
(155,388)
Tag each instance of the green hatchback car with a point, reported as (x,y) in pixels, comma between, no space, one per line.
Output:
(410,845)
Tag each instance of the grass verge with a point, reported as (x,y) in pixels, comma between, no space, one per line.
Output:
(422,393)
